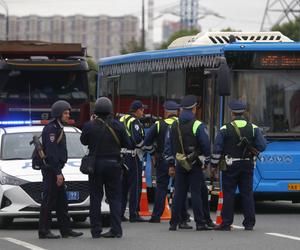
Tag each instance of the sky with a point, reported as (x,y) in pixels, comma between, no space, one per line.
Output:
(242,15)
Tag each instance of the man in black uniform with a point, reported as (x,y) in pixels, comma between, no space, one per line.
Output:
(105,136)
(132,177)
(54,191)
(187,138)
(239,140)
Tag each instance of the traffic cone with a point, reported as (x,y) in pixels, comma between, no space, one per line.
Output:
(219,209)
(144,206)
(167,213)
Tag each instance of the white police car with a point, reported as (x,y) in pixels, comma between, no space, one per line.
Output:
(21,186)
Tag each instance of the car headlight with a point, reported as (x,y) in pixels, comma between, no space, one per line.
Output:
(6,179)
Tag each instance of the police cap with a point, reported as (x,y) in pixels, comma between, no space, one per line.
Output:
(137,104)
(59,107)
(171,106)
(237,106)
(189,101)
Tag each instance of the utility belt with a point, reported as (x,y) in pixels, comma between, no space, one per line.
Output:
(230,160)
(132,152)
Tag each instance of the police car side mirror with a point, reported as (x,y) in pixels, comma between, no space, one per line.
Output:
(224,78)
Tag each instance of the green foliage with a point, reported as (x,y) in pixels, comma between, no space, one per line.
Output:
(177,34)
(132,46)
(289,29)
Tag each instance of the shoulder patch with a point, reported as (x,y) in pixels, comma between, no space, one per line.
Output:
(137,127)
(52,137)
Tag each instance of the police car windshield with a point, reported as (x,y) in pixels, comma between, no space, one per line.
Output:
(272,97)
(15,146)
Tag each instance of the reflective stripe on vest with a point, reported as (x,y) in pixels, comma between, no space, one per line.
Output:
(169,121)
(127,123)
(243,123)
(196,126)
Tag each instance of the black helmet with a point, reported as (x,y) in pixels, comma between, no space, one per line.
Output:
(103,106)
(59,107)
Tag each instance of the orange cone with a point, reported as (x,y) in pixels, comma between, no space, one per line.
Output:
(219,209)
(167,213)
(144,207)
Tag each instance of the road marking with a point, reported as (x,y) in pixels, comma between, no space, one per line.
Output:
(23,244)
(284,236)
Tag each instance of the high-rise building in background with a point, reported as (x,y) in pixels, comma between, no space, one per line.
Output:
(169,28)
(189,14)
(102,35)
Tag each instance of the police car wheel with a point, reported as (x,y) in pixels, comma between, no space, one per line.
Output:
(79,218)
(5,221)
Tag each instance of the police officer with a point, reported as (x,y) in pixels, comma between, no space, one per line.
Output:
(233,141)
(105,136)
(54,190)
(188,136)
(132,174)
(154,143)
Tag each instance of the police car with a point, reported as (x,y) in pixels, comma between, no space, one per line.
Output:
(21,186)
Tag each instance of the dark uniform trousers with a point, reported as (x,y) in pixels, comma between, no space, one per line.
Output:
(206,206)
(108,173)
(239,174)
(53,197)
(162,180)
(184,180)
(132,183)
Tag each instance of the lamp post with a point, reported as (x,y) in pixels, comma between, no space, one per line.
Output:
(143,25)
(4,5)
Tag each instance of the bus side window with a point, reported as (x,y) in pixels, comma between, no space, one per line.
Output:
(176,85)
(195,86)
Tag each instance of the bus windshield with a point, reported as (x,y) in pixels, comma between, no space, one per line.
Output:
(39,87)
(272,97)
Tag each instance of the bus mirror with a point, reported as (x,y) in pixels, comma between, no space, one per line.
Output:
(224,78)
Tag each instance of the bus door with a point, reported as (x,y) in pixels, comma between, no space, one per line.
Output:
(195,86)
(158,97)
(113,92)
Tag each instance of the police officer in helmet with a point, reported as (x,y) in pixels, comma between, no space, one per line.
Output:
(54,190)
(186,141)
(239,141)
(105,136)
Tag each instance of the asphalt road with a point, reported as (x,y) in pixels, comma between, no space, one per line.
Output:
(277,228)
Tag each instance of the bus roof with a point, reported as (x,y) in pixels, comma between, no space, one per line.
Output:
(178,58)
(25,49)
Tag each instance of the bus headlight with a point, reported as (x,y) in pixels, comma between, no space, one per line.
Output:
(6,179)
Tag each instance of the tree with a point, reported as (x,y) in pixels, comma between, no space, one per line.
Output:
(289,29)
(177,34)
(132,46)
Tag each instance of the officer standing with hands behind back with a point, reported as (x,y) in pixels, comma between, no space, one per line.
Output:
(54,190)
(105,136)
(240,142)
(186,141)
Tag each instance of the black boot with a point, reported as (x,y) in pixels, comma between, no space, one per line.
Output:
(71,233)
(48,235)
(185,225)
(111,234)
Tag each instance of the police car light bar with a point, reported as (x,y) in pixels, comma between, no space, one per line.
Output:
(29,122)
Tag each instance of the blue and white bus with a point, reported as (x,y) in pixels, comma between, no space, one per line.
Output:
(264,71)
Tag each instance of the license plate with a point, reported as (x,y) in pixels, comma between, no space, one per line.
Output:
(72,195)
(294,186)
